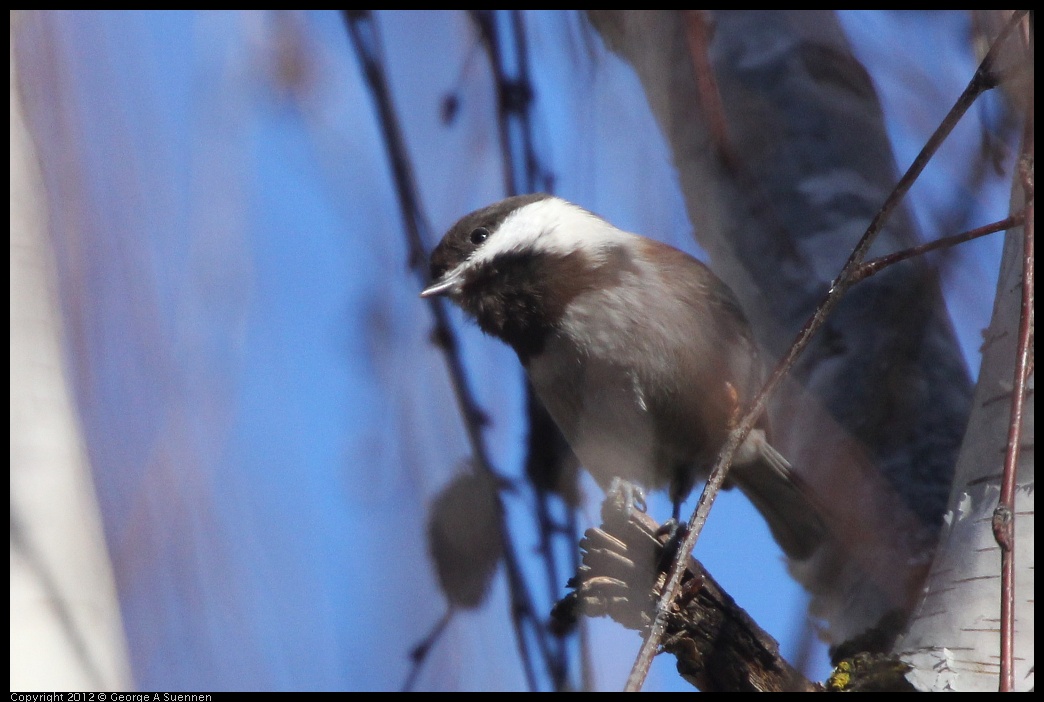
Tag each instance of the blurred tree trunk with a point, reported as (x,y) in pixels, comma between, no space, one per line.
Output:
(66,631)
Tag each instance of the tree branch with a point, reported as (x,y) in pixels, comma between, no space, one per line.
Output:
(718,646)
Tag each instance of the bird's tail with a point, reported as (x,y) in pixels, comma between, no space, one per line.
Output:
(770,483)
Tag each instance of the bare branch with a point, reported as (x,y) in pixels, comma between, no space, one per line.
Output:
(718,646)
(1004,515)
(880,263)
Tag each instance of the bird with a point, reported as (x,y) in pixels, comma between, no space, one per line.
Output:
(640,353)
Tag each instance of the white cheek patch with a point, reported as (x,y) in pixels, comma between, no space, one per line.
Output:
(549,226)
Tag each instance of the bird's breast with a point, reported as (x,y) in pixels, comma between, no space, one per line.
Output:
(604,412)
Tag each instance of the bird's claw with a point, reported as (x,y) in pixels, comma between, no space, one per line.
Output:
(624,496)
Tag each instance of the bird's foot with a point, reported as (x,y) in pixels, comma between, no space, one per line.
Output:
(624,496)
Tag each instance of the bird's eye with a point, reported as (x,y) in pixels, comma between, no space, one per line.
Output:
(479,235)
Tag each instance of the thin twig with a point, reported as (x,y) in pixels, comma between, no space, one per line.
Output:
(1004,514)
(514,93)
(983,80)
(364,39)
(878,264)
(419,654)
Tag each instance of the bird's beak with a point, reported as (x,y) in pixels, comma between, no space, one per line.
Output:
(443,285)
(439,287)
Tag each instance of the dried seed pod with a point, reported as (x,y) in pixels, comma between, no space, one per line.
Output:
(464,537)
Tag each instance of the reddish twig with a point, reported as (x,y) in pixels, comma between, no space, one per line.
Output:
(698,37)
(880,263)
(1004,515)
(984,79)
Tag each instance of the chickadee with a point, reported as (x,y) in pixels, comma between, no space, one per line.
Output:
(640,353)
